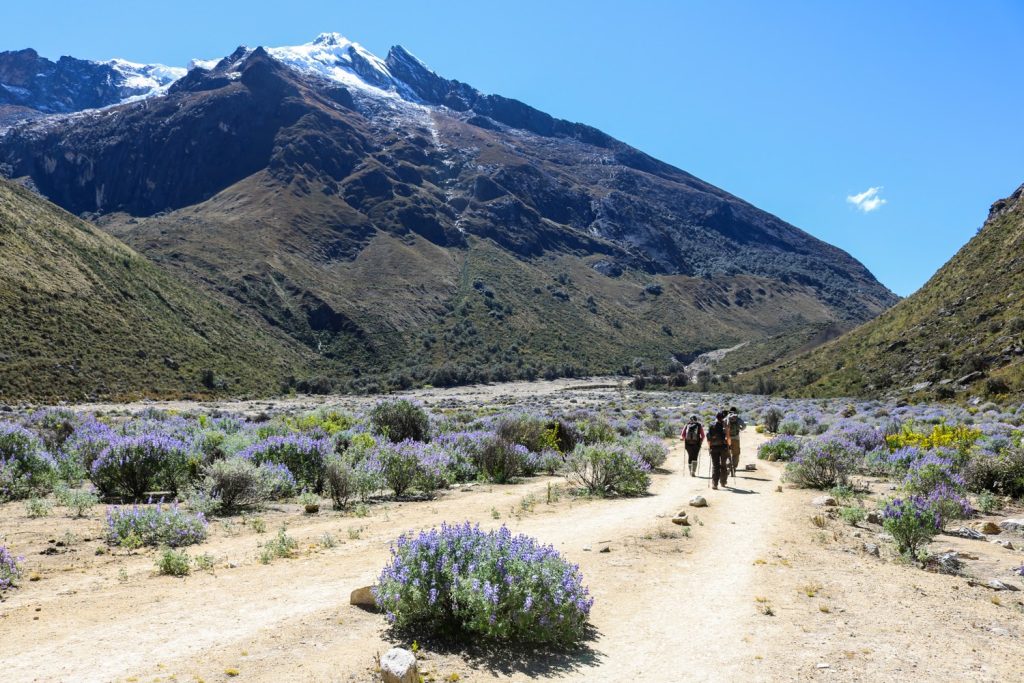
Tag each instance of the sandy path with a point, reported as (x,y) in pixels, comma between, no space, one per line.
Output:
(291,619)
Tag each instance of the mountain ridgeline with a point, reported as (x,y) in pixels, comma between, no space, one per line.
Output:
(961,334)
(405,228)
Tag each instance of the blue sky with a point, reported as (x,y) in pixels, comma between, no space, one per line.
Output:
(794,106)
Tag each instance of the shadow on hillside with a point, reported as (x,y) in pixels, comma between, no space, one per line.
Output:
(506,660)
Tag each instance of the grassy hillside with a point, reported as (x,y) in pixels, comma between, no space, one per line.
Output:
(962,332)
(84,315)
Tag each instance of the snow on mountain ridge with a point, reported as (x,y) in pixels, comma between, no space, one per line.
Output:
(335,57)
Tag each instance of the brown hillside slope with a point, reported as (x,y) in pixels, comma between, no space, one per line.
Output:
(962,332)
(82,315)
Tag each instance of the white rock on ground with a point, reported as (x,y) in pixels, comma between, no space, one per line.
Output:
(824,501)
(1012,525)
(698,502)
(398,666)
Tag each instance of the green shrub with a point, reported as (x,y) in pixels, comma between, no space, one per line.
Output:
(608,469)
(911,523)
(154,525)
(304,457)
(78,503)
(239,484)
(26,469)
(173,563)
(281,546)
(823,463)
(38,507)
(852,515)
(399,420)
(465,583)
(781,448)
(500,461)
(135,465)
(650,449)
(791,428)
(341,480)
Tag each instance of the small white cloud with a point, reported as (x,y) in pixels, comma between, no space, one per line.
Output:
(868,200)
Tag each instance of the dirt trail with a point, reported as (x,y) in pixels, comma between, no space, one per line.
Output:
(652,588)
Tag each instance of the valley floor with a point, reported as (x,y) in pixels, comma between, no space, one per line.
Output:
(668,607)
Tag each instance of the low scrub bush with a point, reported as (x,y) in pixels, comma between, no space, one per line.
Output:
(240,484)
(822,463)
(399,420)
(459,581)
(78,503)
(38,507)
(26,469)
(791,428)
(304,456)
(781,448)
(772,418)
(154,525)
(911,522)
(10,569)
(280,546)
(650,449)
(341,481)
(930,472)
(500,461)
(135,465)
(173,562)
(608,469)
(85,445)
(999,471)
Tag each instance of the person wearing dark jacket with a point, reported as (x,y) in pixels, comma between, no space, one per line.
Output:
(718,444)
(693,437)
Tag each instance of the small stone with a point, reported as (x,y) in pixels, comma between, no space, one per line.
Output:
(997,585)
(363,597)
(871,549)
(988,528)
(398,666)
(856,534)
(1012,525)
(605,549)
(884,537)
(823,665)
(751,467)
(586,548)
(1000,542)
(824,501)
(698,502)
(681,521)
(873,517)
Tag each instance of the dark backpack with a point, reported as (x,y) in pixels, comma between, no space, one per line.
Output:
(716,434)
(692,433)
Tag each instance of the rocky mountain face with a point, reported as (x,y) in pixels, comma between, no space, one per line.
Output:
(32,86)
(399,223)
(961,334)
(84,316)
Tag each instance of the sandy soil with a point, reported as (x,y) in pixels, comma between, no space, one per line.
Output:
(668,607)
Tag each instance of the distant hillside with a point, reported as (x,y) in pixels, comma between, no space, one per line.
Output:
(83,315)
(962,332)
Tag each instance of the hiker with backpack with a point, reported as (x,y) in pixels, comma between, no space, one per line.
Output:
(718,444)
(693,437)
(735,425)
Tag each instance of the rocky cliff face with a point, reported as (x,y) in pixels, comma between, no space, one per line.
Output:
(31,86)
(302,181)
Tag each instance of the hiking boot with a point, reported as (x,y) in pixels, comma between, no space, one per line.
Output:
(714,487)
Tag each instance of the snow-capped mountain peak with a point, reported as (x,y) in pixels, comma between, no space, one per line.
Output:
(333,56)
(140,81)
